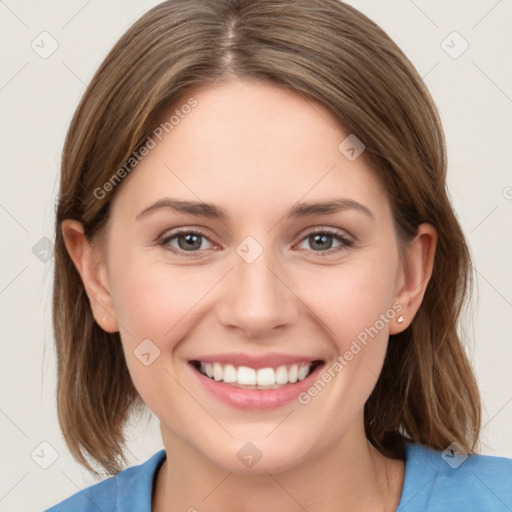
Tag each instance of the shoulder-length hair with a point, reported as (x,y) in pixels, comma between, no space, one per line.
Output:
(325,50)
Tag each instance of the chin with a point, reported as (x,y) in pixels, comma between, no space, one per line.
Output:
(258,457)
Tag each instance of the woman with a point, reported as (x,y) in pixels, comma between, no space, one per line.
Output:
(254,240)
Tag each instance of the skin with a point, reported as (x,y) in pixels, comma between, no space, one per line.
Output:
(255,150)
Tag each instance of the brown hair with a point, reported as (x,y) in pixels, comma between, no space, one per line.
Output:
(324,50)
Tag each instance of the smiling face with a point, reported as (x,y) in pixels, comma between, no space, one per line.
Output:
(260,279)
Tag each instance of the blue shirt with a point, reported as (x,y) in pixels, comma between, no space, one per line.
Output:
(433,483)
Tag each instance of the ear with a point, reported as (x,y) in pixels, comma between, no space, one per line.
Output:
(415,275)
(89,263)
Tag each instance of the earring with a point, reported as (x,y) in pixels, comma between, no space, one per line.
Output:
(105,317)
(400,319)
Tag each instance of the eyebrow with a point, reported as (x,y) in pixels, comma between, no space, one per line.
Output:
(304,209)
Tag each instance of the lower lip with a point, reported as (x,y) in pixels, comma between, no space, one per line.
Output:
(254,398)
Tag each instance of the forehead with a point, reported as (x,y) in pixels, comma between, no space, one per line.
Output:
(250,145)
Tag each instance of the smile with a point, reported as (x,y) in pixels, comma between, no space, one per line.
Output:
(246,377)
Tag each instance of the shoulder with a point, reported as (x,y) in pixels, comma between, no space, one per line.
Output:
(119,493)
(453,480)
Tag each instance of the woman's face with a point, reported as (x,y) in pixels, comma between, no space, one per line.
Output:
(275,283)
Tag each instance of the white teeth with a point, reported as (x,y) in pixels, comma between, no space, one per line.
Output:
(266,377)
(293,374)
(207,368)
(303,371)
(245,375)
(217,371)
(230,374)
(281,375)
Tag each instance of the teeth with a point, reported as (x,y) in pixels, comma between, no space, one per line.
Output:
(303,372)
(230,374)
(265,377)
(281,375)
(247,376)
(217,371)
(293,374)
(207,369)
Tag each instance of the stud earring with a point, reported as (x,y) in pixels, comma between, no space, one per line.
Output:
(105,317)
(400,319)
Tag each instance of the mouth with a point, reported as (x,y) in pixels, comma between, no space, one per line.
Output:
(247,377)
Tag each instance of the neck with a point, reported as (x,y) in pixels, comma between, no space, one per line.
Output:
(353,476)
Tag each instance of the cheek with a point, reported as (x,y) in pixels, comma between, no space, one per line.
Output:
(162,303)
(353,304)
(350,300)
(154,304)
(153,300)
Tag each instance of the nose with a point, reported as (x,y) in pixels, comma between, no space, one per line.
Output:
(256,298)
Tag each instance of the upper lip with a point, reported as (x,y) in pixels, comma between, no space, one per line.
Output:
(255,361)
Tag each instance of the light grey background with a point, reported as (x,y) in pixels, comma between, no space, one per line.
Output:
(37,99)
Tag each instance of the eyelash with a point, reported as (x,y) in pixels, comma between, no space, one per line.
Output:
(345,242)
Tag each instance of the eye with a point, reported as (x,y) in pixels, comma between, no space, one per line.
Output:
(186,240)
(324,240)
(193,241)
